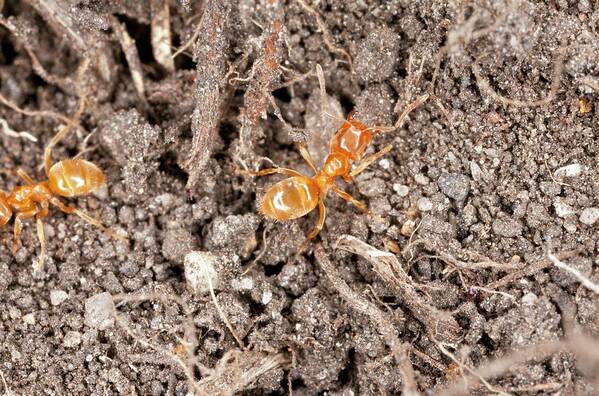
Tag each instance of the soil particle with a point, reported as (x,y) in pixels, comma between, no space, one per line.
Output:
(376,55)
(589,216)
(177,243)
(99,311)
(454,186)
(506,226)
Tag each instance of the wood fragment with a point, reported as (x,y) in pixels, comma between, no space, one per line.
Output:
(212,47)
(439,325)
(161,34)
(58,14)
(532,269)
(132,56)
(400,350)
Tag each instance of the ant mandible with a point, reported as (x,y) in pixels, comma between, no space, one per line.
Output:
(68,178)
(298,195)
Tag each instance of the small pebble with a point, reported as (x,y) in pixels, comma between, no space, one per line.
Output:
(401,189)
(421,179)
(529,299)
(454,185)
(247,283)
(475,171)
(562,209)
(29,319)
(266,296)
(589,216)
(198,265)
(100,311)
(425,204)
(408,228)
(372,187)
(71,339)
(571,170)
(58,296)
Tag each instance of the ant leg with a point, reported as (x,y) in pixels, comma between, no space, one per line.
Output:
(40,235)
(398,124)
(23,175)
(306,156)
(360,205)
(316,230)
(270,171)
(369,160)
(89,219)
(16,243)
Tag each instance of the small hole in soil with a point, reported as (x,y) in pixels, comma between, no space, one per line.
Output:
(298,383)
(282,94)
(111,352)
(168,165)
(227,132)
(141,33)
(487,342)
(9,53)
(346,103)
(345,376)
(272,270)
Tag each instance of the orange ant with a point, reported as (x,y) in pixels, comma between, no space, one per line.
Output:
(68,178)
(298,195)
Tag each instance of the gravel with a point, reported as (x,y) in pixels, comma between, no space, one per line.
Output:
(454,185)
(100,311)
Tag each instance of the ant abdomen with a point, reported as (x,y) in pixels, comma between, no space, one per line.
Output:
(290,198)
(5,210)
(74,177)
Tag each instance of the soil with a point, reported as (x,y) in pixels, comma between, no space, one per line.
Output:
(488,179)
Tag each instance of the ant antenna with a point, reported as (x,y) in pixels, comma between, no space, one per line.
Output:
(64,130)
(324,101)
(399,123)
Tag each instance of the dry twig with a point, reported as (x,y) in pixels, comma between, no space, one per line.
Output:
(378,317)
(8,131)
(161,34)
(439,325)
(130,51)
(210,53)
(586,282)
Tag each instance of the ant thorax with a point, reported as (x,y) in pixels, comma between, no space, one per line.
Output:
(24,198)
(336,164)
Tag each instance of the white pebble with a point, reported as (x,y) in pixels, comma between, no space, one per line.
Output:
(424,204)
(421,179)
(529,299)
(401,189)
(571,170)
(384,163)
(198,266)
(58,296)
(100,311)
(562,209)
(266,297)
(589,216)
(71,339)
(29,319)
(247,283)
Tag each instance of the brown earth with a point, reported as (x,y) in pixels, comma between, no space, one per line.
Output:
(497,170)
